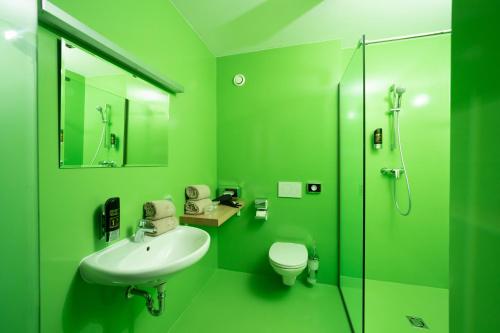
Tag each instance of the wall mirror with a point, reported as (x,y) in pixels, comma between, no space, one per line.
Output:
(108,117)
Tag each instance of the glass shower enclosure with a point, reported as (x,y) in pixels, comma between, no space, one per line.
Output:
(394,131)
(351,186)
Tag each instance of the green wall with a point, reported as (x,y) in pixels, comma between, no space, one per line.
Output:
(70,197)
(18,197)
(475,180)
(411,249)
(280,126)
(73,118)
(148,128)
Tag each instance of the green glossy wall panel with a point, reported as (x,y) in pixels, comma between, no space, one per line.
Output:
(18,182)
(146,128)
(70,197)
(475,180)
(412,249)
(281,125)
(73,119)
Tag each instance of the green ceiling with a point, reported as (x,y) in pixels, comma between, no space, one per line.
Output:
(239,26)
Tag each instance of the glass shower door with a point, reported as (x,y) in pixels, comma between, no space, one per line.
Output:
(351,187)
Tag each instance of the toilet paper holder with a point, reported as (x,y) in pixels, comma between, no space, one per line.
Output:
(261,209)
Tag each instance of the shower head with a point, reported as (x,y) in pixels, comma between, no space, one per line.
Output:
(399,90)
(103,114)
(397,94)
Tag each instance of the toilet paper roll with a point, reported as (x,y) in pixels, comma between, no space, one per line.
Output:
(261,215)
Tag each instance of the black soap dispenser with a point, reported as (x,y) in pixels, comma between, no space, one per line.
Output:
(377,139)
(111,220)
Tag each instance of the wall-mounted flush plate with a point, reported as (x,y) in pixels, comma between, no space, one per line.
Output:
(313,188)
(290,189)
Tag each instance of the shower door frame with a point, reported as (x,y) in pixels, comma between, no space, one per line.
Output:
(362,43)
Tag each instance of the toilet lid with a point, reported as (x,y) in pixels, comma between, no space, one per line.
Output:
(288,254)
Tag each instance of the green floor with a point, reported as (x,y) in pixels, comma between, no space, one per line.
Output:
(241,302)
(388,304)
(352,289)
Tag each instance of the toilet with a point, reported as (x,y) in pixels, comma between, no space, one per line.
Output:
(288,260)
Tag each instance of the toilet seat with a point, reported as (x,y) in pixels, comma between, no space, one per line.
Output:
(288,255)
(287,267)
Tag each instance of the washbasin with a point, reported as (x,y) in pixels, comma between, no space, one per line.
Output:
(147,263)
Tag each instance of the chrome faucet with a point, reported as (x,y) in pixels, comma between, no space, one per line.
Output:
(142,228)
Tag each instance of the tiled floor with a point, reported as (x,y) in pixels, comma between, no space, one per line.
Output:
(239,302)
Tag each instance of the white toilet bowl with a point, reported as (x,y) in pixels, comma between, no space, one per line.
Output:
(288,260)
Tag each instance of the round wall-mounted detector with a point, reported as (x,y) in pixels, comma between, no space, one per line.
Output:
(239,80)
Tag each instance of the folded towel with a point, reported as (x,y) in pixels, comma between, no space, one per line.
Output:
(196,207)
(162,225)
(158,209)
(198,192)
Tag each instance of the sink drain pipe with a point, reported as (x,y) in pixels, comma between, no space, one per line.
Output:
(160,289)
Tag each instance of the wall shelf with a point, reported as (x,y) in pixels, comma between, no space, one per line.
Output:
(213,219)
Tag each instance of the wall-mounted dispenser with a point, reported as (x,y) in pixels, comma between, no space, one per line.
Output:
(377,138)
(233,190)
(112,140)
(110,222)
(261,209)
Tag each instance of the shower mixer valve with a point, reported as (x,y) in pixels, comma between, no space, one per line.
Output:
(396,172)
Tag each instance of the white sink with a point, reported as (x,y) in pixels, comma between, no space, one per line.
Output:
(148,263)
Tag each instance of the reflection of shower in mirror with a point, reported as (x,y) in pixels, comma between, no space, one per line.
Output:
(105,114)
(110,117)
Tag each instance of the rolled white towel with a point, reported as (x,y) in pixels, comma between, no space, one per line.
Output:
(162,225)
(158,209)
(198,192)
(196,207)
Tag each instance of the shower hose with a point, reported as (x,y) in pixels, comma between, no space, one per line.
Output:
(403,165)
(100,143)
